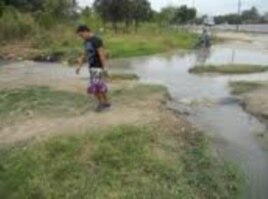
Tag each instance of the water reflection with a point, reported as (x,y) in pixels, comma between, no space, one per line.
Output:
(202,55)
(212,107)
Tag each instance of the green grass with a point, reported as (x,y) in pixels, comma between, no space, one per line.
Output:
(241,87)
(23,103)
(66,45)
(123,76)
(33,101)
(229,69)
(115,163)
(146,43)
(139,92)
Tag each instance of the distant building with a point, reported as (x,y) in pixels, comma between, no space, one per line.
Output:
(209,21)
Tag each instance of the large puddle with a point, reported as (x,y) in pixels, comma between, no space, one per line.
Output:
(212,108)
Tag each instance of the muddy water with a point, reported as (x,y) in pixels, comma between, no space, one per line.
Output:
(211,106)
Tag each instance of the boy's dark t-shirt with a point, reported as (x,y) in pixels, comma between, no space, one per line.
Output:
(91,47)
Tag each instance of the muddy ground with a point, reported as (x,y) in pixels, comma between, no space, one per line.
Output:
(256,102)
(126,109)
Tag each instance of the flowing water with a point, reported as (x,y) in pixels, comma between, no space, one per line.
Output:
(211,106)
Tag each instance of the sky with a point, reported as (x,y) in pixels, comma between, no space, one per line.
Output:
(210,7)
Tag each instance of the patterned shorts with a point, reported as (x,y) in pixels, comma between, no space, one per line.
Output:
(97,83)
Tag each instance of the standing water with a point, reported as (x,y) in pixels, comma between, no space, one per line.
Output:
(207,98)
(212,108)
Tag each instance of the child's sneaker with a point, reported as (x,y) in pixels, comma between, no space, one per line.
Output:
(102,107)
(106,105)
(99,108)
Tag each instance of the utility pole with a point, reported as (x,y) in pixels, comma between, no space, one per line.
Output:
(193,3)
(238,14)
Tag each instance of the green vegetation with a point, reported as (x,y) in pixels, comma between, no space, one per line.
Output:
(40,29)
(19,104)
(30,102)
(119,162)
(241,87)
(145,43)
(123,162)
(229,69)
(64,44)
(123,76)
(250,16)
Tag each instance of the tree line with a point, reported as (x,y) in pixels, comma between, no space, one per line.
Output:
(115,12)
(250,16)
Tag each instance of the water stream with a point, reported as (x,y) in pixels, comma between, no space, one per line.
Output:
(211,106)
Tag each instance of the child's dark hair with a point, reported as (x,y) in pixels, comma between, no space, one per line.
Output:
(82,28)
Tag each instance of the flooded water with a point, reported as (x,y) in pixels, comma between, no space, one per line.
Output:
(208,100)
(211,106)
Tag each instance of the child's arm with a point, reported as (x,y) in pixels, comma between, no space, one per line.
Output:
(80,64)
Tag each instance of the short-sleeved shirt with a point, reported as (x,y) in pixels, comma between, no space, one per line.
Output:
(91,48)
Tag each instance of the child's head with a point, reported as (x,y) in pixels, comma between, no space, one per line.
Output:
(84,31)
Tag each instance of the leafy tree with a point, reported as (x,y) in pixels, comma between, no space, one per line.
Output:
(183,15)
(141,11)
(123,10)
(250,15)
(176,15)
(111,10)
(25,5)
(90,17)
(166,15)
(229,18)
(60,8)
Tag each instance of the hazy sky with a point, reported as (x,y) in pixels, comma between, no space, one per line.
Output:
(204,6)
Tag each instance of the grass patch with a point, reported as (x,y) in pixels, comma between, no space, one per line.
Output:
(115,163)
(23,103)
(229,69)
(146,43)
(33,101)
(123,76)
(241,87)
(140,92)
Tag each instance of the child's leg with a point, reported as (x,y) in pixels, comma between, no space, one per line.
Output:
(104,98)
(99,98)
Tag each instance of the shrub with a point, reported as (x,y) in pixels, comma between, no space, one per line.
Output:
(14,24)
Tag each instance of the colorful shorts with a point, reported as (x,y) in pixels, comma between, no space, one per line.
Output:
(97,83)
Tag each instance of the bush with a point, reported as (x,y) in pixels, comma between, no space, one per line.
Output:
(14,24)
(45,19)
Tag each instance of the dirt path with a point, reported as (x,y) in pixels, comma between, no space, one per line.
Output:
(126,110)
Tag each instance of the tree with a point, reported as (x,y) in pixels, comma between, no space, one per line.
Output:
(229,18)
(166,15)
(116,11)
(176,15)
(141,11)
(60,8)
(250,15)
(111,10)
(25,5)
(183,15)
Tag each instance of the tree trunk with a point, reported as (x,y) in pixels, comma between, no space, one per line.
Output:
(136,25)
(115,26)
(127,23)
